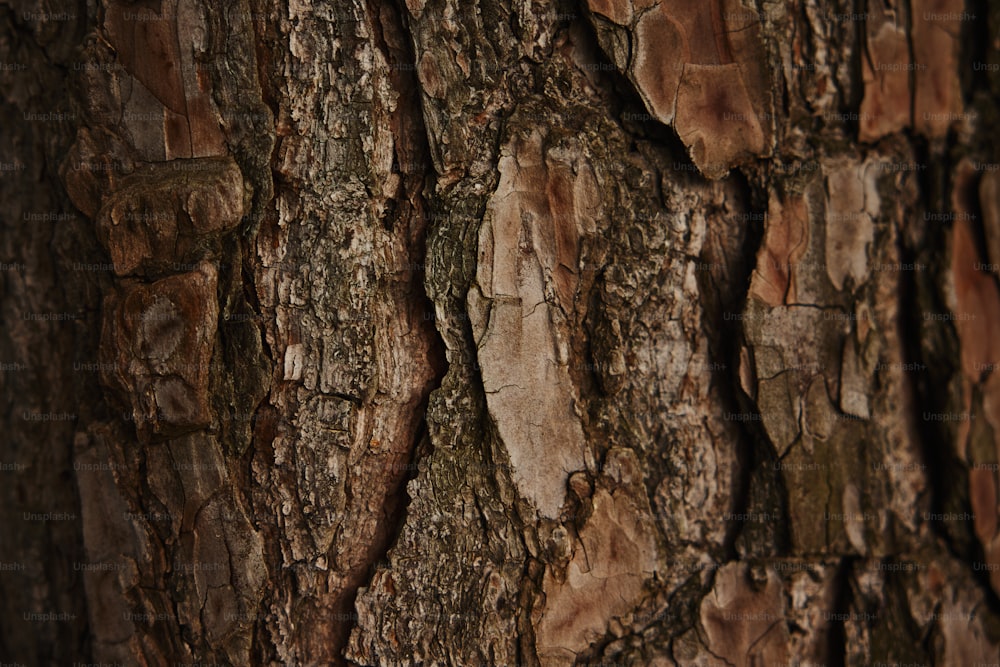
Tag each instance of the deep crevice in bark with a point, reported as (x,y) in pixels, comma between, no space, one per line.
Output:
(836,636)
(416,171)
(727,343)
(933,351)
(933,346)
(756,452)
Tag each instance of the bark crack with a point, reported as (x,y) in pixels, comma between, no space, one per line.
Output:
(394,40)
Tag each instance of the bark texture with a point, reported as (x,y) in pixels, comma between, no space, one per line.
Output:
(500,332)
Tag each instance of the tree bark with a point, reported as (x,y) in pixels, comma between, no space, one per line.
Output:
(436,332)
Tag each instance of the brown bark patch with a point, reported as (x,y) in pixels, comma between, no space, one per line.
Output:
(744,620)
(886,65)
(615,554)
(937,102)
(164,214)
(786,234)
(157,343)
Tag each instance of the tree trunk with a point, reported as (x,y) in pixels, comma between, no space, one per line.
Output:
(503,333)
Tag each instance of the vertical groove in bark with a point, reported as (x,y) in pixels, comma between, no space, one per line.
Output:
(339,279)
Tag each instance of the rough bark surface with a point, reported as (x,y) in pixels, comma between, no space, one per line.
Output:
(500,332)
